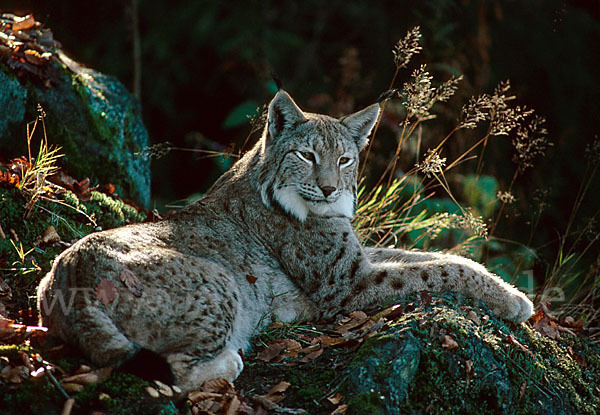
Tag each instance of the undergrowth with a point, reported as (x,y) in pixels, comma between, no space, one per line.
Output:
(447,201)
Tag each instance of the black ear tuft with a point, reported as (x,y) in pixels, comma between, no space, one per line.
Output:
(277,80)
(149,365)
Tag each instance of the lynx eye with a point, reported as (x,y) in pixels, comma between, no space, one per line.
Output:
(344,161)
(306,156)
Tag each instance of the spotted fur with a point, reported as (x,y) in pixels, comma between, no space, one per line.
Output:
(271,239)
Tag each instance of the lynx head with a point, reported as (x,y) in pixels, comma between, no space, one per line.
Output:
(310,161)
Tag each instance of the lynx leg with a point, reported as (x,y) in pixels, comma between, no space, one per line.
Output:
(228,364)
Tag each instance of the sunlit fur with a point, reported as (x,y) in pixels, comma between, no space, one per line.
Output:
(295,185)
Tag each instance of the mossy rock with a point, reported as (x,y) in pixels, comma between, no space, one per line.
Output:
(71,218)
(408,369)
(92,116)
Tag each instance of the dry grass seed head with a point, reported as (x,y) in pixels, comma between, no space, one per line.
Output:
(531,141)
(407,47)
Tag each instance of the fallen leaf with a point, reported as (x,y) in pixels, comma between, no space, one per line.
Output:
(448,342)
(471,315)
(470,371)
(164,389)
(340,410)
(276,392)
(425,299)
(36,58)
(512,340)
(151,391)
(231,408)
(218,385)
(312,356)
(522,390)
(358,315)
(5,291)
(328,341)
(197,396)
(273,350)
(132,282)
(335,399)
(577,357)
(49,237)
(352,325)
(83,378)
(251,278)
(545,325)
(23,23)
(265,403)
(106,292)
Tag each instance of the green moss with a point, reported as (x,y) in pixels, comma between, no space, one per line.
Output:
(366,403)
(123,394)
(72,220)
(554,381)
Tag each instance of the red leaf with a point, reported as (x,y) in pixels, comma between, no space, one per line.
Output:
(106,292)
(24,23)
(132,282)
(251,278)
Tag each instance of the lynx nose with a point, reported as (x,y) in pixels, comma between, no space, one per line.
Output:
(327,190)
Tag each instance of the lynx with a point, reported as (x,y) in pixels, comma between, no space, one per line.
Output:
(271,240)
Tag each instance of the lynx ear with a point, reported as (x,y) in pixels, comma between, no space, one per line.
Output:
(361,123)
(283,113)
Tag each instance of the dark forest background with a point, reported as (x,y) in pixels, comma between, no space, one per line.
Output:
(206,64)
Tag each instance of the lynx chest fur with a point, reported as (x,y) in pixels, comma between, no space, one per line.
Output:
(272,239)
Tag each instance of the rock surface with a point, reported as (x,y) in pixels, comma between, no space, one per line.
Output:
(92,116)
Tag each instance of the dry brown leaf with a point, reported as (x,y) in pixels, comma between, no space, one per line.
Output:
(251,278)
(218,385)
(543,324)
(425,299)
(522,390)
(335,399)
(265,403)
(279,388)
(272,350)
(352,325)
(276,394)
(197,396)
(448,342)
(340,410)
(151,391)
(82,369)
(83,378)
(49,237)
(23,23)
(471,315)
(328,341)
(16,374)
(358,315)
(233,406)
(106,292)
(577,357)
(470,371)
(512,340)
(2,234)
(36,58)
(132,282)
(312,356)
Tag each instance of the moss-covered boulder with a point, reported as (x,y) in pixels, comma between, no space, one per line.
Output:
(90,115)
(444,356)
(447,359)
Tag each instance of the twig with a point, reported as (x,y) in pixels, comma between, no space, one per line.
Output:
(68,407)
(55,383)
